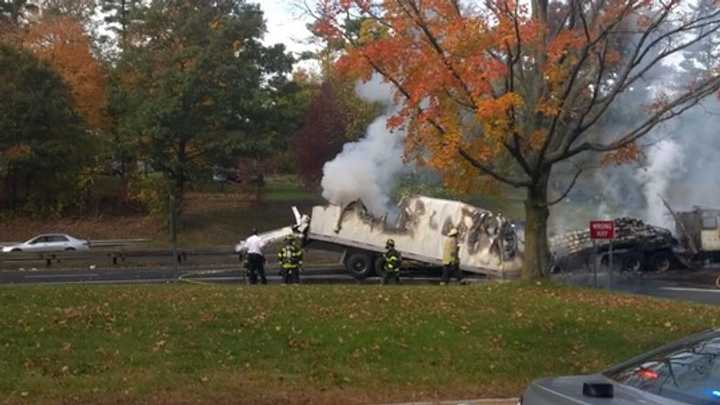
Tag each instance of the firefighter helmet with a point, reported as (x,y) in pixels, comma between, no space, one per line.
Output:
(389,244)
(453,232)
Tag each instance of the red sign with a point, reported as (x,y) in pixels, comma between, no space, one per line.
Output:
(602,230)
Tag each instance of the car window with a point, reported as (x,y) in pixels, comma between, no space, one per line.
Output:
(57,238)
(688,373)
(41,239)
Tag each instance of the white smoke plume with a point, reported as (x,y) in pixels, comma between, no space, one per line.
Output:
(666,163)
(366,170)
(680,157)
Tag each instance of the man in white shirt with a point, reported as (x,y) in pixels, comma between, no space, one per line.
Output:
(255,258)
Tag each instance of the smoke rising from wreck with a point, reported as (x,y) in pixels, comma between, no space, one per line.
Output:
(666,161)
(366,170)
(680,163)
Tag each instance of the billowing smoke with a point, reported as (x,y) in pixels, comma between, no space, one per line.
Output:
(680,164)
(680,157)
(366,170)
(666,162)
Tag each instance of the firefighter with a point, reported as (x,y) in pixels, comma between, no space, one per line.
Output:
(451,258)
(391,263)
(291,259)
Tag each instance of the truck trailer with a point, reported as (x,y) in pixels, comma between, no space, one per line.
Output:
(419,226)
(699,234)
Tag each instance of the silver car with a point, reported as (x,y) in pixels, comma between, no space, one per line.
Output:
(684,372)
(54,242)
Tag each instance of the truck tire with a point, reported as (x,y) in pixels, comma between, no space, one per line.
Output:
(661,262)
(360,265)
(632,263)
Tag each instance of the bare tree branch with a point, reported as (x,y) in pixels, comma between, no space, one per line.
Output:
(492,172)
(667,112)
(567,191)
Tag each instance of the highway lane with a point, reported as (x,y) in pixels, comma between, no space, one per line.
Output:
(312,275)
(680,288)
(683,285)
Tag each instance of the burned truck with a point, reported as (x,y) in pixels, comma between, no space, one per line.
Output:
(637,247)
(699,235)
(419,226)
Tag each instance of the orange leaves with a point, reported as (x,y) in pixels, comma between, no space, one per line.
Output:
(537,139)
(63,43)
(17,152)
(492,80)
(627,154)
(563,44)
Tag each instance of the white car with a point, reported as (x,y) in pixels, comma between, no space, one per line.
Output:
(54,242)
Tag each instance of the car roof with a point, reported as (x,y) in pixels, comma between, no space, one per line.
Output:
(51,234)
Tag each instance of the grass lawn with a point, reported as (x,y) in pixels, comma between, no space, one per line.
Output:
(316,344)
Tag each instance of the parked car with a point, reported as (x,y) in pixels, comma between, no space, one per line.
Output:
(684,372)
(55,242)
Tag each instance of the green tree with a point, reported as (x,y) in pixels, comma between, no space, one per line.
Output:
(43,144)
(198,86)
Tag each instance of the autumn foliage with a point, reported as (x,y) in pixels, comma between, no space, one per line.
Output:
(63,43)
(508,89)
(321,138)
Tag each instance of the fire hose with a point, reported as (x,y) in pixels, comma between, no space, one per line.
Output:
(184,277)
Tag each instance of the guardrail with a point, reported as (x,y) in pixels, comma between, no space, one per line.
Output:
(114,257)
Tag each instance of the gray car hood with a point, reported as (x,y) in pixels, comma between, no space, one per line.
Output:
(568,390)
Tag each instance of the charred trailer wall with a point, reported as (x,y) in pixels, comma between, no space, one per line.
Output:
(688,227)
(488,243)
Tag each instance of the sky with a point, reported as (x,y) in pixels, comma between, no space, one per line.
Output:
(285,24)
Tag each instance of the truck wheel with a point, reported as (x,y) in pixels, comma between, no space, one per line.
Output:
(631,263)
(360,265)
(661,262)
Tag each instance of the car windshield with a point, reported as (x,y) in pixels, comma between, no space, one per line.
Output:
(688,373)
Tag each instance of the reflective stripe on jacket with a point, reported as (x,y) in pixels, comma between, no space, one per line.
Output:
(392,260)
(290,257)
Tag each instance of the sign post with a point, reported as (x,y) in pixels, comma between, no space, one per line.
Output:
(610,266)
(595,265)
(604,230)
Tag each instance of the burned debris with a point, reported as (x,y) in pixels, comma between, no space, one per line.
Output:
(637,246)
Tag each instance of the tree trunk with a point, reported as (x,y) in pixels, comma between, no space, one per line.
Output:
(537,251)
(180,178)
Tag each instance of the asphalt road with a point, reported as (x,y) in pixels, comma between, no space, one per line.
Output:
(684,285)
(320,275)
(693,287)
